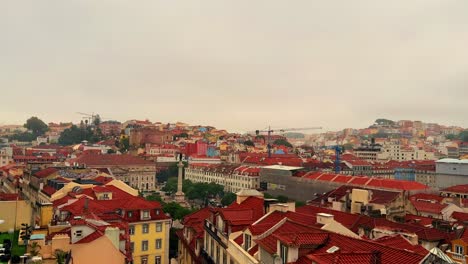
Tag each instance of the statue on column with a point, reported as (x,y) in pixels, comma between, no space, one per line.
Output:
(180,196)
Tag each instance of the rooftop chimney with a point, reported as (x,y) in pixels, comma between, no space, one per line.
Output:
(323,218)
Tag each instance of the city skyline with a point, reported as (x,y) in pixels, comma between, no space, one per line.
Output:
(238,66)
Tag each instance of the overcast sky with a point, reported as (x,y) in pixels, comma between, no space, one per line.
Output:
(239,65)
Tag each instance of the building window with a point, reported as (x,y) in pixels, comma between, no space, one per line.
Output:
(144,260)
(212,248)
(132,246)
(131,230)
(158,227)
(459,249)
(129,213)
(144,245)
(145,214)
(247,242)
(79,233)
(105,196)
(284,254)
(145,228)
(158,243)
(157,260)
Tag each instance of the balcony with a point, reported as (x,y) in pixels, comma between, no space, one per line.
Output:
(217,235)
(458,257)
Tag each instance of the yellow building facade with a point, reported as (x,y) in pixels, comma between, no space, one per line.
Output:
(150,241)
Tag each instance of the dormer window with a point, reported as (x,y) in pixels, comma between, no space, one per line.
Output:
(459,249)
(130,214)
(79,233)
(145,214)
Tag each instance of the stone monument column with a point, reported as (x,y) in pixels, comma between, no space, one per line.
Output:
(180,196)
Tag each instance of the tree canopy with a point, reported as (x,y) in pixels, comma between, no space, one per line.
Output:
(384,122)
(22,136)
(282,142)
(463,136)
(198,190)
(182,135)
(176,210)
(36,126)
(228,198)
(249,143)
(75,135)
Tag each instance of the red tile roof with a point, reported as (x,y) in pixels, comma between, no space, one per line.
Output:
(340,258)
(398,241)
(457,189)
(428,207)
(46,172)
(426,197)
(9,197)
(365,181)
(418,220)
(462,217)
(313,242)
(48,190)
(92,159)
(295,239)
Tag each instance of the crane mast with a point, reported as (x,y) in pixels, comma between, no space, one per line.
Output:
(269,131)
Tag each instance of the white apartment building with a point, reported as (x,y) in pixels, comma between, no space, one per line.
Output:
(233,177)
(6,155)
(395,151)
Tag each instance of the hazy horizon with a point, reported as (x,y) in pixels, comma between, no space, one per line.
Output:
(237,65)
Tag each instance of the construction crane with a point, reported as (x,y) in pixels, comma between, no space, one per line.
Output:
(338,151)
(91,118)
(269,131)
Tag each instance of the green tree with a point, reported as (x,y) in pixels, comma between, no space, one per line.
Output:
(384,122)
(60,255)
(249,143)
(23,136)
(72,135)
(450,136)
(155,197)
(34,249)
(171,171)
(171,185)
(463,136)
(228,198)
(282,142)
(124,144)
(182,135)
(176,210)
(36,126)
(75,135)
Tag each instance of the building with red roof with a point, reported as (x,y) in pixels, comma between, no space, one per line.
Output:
(144,228)
(136,172)
(223,223)
(233,177)
(306,186)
